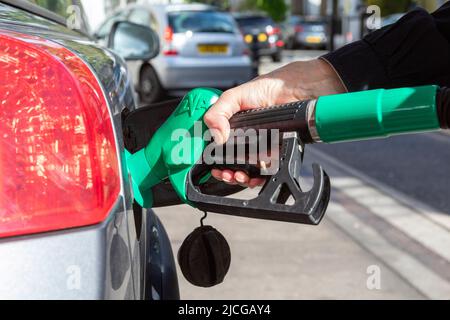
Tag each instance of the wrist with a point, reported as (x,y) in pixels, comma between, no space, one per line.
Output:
(331,77)
(318,78)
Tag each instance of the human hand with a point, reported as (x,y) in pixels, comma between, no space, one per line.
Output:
(293,82)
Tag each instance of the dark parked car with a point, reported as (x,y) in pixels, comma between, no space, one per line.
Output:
(261,30)
(306,32)
(68,225)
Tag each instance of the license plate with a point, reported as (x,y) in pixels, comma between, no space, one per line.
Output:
(213,49)
(313,39)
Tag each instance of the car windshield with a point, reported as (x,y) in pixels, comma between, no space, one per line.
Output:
(202,21)
(254,22)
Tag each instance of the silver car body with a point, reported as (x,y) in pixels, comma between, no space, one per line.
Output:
(190,69)
(109,260)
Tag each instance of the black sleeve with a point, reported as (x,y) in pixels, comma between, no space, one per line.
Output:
(414,51)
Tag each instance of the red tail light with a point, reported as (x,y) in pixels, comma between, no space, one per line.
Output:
(273,30)
(298,29)
(168,34)
(170,53)
(58,160)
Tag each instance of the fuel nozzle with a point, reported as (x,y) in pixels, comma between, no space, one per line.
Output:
(335,118)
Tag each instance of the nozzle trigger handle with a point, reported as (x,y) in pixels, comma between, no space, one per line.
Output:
(290,117)
(272,201)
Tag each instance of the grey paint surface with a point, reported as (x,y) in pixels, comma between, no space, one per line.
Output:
(97,262)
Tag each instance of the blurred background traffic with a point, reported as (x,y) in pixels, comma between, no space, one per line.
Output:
(390,210)
(219,43)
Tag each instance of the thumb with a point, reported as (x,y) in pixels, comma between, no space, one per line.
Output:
(217,118)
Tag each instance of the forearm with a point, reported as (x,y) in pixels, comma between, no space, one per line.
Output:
(414,51)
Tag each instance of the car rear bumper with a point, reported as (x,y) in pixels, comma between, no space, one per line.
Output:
(269,51)
(186,73)
(87,263)
(304,39)
(70,264)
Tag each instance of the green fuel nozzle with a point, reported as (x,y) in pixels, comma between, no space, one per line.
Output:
(335,118)
(163,158)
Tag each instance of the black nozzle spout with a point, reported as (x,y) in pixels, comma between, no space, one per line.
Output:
(443,107)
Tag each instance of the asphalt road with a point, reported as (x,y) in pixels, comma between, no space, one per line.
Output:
(416,165)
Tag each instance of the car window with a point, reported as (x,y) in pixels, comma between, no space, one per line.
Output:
(258,22)
(202,21)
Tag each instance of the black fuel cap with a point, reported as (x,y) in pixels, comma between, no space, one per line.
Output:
(204,257)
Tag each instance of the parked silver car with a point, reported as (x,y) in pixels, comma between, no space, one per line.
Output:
(306,32)
(200,46)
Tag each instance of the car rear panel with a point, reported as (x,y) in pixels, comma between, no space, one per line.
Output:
(313,34)
(190,45)
(93,262)
(71,264)
(186,73)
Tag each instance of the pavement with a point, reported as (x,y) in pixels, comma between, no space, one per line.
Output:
(386,234)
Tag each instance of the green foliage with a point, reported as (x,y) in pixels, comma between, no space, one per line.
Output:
(274,8)
(223,4)
(57,6)
(390,7)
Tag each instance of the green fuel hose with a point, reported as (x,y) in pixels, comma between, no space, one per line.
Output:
(356,116)
(376,113)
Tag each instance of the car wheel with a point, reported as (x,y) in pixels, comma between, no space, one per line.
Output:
(150,89)
(276,57)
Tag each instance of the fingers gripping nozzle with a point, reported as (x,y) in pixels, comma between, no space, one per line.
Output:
(281,198)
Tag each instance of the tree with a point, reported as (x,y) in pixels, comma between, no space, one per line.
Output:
(275,8)
(223,4)
(57,6)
